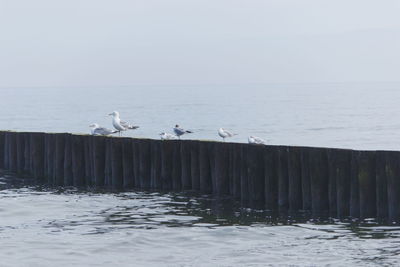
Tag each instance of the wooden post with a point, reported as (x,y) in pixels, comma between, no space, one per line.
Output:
(205,169)
(136,162)
(68,176)
(49,157)
(176,166)
(221,154)
(155,172)
(107,162)
(305,178)
(381,186)
(99,160)
(195,165)
(271,176)
(59,159)
(244,180)
(332,186)
(283,182)
(231,168)
(294,176)
(116,163)
(88,155)
(166,164)
(37,155)
(211,158)
(78,160)
(319,180)
(144,161)
(12,142)
(393,185)
(235,183)
(354,188)
(339,178)
(27,154)
(6,154)
(186,179)
(127,164)
(367,184)
(256,177)
(2,150)
(20,153)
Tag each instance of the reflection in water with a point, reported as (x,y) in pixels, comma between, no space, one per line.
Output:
(65,225)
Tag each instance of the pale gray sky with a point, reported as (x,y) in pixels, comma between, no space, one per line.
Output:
(125,42)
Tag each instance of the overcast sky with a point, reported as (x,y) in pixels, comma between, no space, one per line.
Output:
(127,42)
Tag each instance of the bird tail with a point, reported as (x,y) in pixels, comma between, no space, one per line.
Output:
(132,127)
(189,132)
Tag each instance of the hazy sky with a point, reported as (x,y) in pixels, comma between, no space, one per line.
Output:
(126,42)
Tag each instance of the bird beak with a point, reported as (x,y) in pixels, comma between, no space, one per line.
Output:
(110,114)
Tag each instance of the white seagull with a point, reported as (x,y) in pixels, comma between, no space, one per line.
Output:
(121,125)
(167,136)
(225,133)
(179,131)
(256,140)
(97,130)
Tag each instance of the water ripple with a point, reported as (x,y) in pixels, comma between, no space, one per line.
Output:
(47,227)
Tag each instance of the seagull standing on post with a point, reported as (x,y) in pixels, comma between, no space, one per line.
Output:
(256,140)
(179,131)
(225,133)
(97,130)
(121,125)
(167,136)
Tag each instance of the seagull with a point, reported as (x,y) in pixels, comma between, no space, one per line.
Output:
(167,136)
(121,125)
(97,130)
(179,131)
(256,140)
(225,133)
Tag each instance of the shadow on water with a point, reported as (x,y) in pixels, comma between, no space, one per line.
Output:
(151,210)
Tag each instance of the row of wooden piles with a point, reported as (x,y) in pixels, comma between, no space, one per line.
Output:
(338,182)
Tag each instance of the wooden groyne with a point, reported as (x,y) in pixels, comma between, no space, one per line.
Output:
(339,182)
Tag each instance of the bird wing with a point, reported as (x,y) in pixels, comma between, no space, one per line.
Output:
(103,131)
(124,124)
(230,134)
(259,140)
(127,125)
(133,127)
(179,131)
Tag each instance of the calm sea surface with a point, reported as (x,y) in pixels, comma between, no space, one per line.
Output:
(65,227)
